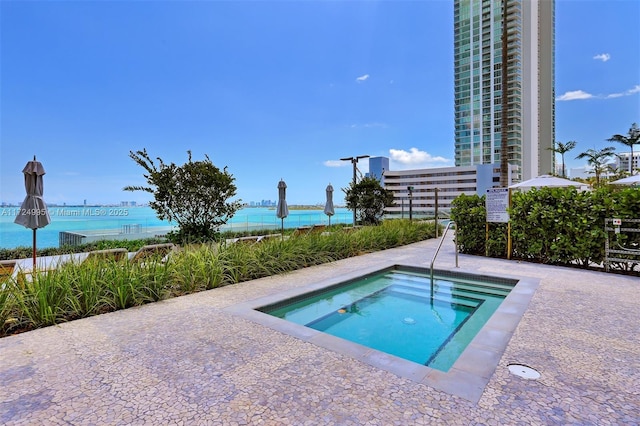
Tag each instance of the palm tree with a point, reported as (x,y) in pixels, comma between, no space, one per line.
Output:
(597,160)
(563,148)
(615,173)
(631,139)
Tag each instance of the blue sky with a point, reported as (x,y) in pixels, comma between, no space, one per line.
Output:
(270,89)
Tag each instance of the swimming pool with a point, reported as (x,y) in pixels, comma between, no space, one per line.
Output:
(472,369)
(392,311)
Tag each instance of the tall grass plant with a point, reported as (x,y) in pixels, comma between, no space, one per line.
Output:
(82,289)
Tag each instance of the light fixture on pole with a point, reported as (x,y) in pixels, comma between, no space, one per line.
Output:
(410,189)
(354,161)
(435,212)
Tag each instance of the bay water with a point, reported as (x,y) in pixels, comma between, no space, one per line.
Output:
(121,219)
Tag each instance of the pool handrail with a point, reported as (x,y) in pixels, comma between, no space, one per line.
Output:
(444,234)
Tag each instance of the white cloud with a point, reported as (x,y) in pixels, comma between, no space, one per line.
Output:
(369,126)
(573,95)
(336,163)
(604,57)
(415,158)
(579,94)
(362,78)
(633,90)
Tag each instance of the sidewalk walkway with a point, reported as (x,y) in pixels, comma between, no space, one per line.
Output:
(190,360)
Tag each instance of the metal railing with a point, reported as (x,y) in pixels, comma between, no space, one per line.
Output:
(455,242)
(613,250)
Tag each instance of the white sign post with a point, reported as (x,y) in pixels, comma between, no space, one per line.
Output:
(496,204)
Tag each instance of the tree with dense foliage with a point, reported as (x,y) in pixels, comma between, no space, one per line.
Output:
(632,138)
(369,199)
(194,195)
(598,160)
(563,148)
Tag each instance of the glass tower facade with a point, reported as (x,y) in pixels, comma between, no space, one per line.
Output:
(377,167)
(478,84)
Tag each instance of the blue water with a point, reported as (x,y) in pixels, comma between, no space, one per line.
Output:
(393,312)
(115,218)
(393,322)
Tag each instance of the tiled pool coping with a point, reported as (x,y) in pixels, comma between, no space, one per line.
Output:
(470,373)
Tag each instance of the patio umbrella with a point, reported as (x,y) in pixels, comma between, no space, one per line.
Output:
(33,212)
(547,180)
(282,211)
(328,207)
(631,181)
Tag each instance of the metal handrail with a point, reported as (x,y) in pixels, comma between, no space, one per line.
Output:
(444,234)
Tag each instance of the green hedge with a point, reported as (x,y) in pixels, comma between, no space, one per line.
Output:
(560,226)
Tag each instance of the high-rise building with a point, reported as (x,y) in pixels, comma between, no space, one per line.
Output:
(377,167)
(530,77)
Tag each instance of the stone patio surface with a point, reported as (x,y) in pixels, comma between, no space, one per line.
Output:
(193,360)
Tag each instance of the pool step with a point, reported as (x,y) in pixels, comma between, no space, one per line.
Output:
(426,296)
(460,280)
(470,289)
(482,284)
(460,288)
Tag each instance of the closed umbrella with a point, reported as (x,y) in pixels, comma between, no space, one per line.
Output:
(282,210)
(33,212)
(328,207)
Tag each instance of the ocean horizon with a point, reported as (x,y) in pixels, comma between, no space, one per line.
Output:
(121,220)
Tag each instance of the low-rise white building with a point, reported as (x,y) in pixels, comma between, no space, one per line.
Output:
(622,160)
(449,181)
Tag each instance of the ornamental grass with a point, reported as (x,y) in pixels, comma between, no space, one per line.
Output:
(82,289)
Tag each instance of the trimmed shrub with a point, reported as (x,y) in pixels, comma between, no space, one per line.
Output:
(559,226)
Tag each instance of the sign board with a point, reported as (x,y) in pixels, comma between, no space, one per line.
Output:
(496,203)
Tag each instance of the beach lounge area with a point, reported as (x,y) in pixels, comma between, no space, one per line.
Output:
(194,360)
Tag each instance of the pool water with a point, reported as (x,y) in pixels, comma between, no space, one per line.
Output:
(393,312)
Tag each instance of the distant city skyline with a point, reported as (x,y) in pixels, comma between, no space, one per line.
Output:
(301,85)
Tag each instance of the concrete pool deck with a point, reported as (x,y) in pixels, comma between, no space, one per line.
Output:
(194,360)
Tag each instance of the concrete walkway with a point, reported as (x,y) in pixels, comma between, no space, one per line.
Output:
(191,360)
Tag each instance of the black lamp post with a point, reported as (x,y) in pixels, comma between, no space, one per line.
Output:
(410,189)
(354,161)
(435,213)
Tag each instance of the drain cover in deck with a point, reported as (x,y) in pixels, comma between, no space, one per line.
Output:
(524,371)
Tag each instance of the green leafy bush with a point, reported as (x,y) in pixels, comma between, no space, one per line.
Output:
(559,226)
(468,211)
